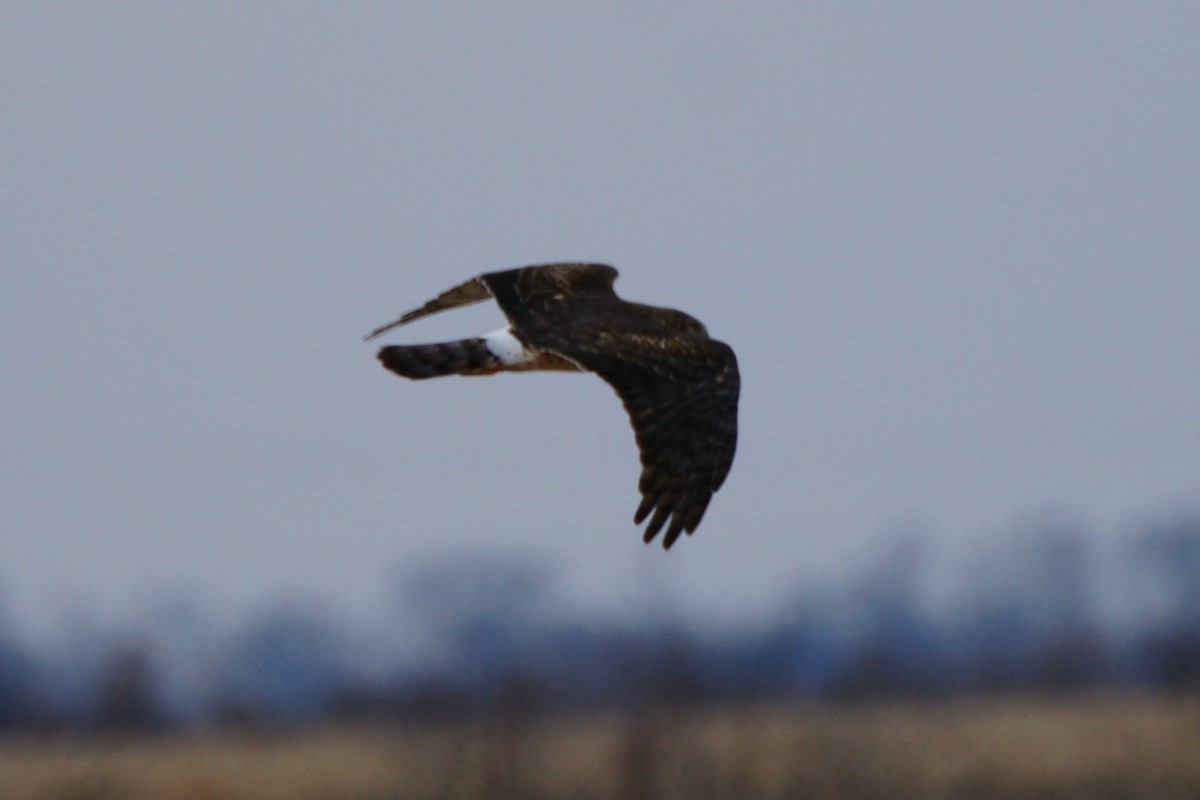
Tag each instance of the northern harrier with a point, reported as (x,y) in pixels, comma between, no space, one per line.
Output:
(679,387)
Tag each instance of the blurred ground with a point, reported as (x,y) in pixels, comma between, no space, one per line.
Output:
(1091,747)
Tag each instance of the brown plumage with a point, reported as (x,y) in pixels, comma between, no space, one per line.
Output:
(679,387)
(464,357)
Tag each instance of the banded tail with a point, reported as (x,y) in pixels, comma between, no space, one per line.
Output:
(420,361)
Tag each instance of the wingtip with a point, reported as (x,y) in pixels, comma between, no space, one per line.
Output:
(676,521)
(673,532)
(382,329)
(643,511)
(669,539)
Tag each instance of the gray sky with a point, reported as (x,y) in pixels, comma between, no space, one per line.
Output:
(954,245)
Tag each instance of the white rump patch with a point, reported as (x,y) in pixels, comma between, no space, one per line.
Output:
(508,348)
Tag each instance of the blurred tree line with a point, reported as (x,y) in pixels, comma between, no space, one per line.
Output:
(1041,611)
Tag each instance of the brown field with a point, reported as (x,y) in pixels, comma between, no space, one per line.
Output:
(1095,748)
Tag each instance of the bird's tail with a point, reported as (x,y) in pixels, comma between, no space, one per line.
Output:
(419,361)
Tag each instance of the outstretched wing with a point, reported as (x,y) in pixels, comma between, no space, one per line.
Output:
(681,393)
(526,295)
(472,291)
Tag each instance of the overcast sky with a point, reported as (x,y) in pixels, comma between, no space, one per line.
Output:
(955,247)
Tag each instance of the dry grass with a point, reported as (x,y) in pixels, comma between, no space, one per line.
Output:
(1093,748)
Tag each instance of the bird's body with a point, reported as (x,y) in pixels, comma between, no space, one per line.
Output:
(679,387)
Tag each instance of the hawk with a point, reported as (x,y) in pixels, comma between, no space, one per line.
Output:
(679,387)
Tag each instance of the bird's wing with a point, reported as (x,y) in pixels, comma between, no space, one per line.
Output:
(525,294)
(681,393)
(473,291)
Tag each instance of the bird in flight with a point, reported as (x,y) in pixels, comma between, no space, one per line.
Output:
(679,387)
